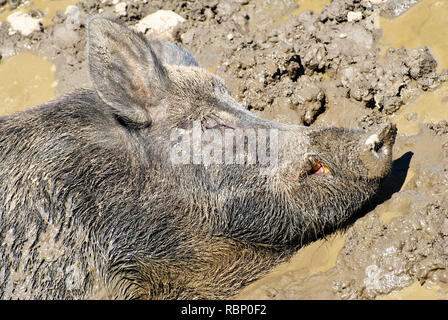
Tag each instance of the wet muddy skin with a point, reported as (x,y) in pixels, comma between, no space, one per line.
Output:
(346,63)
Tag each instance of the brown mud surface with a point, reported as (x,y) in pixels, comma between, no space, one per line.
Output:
(351,63)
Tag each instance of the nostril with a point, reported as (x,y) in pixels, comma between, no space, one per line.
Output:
(378,146)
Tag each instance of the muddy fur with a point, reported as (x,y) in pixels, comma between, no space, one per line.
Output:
(92,207)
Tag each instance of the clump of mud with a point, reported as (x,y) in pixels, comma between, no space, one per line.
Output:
(312,68)
(322,46)
(11,4)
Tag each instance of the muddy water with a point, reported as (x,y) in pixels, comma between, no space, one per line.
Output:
(26,80)
(315,5)
(416,291)
(318,257)
(430,107)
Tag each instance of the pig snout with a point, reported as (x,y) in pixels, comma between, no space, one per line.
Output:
(376,150)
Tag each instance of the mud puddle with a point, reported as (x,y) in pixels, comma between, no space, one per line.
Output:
(422,25)
(26,80)
(315,5)
(431,107)
(312,260)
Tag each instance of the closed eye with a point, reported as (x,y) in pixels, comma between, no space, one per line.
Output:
(213,122)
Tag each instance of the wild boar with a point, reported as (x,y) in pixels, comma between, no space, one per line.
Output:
(157,184)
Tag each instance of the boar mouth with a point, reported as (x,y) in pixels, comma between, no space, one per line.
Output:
(313,168)
(317,167)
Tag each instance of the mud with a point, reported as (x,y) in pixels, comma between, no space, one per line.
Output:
(351,63)
(29,80)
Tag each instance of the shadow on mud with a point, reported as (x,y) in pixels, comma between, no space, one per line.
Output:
(395,181)
(389,186)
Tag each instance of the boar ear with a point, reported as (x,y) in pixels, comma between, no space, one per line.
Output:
(124,69)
